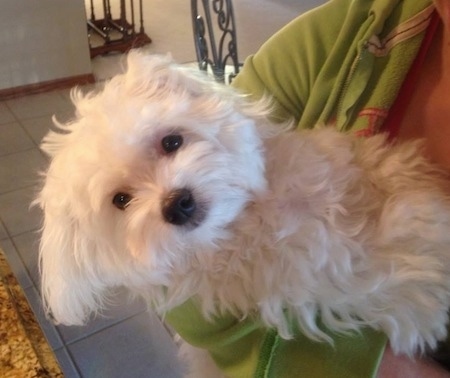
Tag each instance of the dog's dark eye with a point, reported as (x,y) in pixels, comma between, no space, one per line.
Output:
(171,143)
(121,200)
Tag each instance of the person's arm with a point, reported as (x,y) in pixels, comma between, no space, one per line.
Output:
(393,366)
(287,65)
(286,68)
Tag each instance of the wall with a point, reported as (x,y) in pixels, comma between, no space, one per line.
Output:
(42,40)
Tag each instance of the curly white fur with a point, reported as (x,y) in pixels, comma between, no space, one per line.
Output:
(293,225)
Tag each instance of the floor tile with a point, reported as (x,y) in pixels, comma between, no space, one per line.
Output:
(16,214)
(13,139)
(120,308)
(138,347)
(6,116)
(107,66)
(21,169)
(38,127)
(3,233)
(27,246)
(16,264)
(66,95)
(38,105)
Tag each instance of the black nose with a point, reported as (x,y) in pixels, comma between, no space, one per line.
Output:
(178,207)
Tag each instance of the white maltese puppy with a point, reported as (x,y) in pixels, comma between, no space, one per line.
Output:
(176,186)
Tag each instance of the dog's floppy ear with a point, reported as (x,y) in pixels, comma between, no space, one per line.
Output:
(69,285)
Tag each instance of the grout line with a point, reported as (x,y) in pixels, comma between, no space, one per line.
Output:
(72,361)
(102,329)
(27,185)
(8,235)
(21,151)
(27,271)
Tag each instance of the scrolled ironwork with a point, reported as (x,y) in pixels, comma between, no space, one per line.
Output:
(212,53)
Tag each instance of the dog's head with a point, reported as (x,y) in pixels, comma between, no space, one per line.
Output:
(154,167)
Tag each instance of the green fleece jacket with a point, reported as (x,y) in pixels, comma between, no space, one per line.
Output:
(342,63)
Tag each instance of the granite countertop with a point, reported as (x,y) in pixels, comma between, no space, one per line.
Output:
(24,351)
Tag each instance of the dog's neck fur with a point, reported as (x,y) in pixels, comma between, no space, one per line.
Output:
(249,267)
(317,247)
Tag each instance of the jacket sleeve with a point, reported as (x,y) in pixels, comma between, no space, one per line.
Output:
(287,65)
(243,348)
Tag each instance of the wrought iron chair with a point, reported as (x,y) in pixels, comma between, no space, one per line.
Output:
(215,38)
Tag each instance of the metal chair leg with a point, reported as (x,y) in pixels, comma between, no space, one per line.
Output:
(215,53)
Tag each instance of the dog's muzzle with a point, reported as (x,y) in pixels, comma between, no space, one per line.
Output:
(179,208)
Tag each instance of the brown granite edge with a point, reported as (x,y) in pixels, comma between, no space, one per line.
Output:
(24,320)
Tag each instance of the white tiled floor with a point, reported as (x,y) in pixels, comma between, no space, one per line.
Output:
(129,341)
